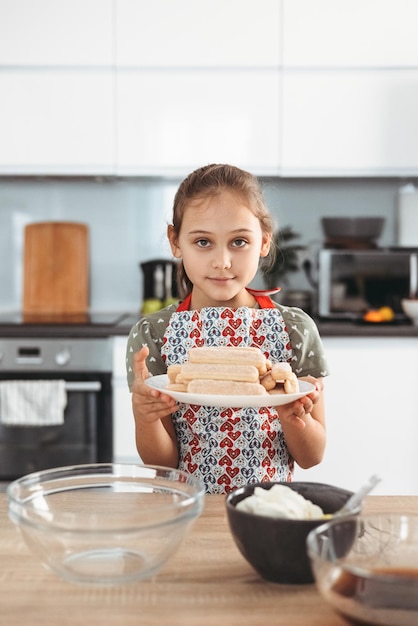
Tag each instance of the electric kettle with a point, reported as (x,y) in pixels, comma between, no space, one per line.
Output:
(159,280)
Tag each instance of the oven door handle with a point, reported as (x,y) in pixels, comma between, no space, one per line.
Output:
(83,385)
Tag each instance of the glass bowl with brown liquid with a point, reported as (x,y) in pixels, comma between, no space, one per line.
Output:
(366,567)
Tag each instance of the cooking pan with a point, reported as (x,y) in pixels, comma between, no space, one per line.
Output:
(353,228)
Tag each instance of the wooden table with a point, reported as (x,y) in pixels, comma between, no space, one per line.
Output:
(206,583)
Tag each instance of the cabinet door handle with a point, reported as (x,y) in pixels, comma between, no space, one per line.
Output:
(82,385)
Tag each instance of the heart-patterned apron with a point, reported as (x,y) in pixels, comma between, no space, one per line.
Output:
(226,447)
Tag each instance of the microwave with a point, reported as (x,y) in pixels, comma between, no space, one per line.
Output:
(351,282)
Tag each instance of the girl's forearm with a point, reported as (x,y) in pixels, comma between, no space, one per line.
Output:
(306,445)
(155,444)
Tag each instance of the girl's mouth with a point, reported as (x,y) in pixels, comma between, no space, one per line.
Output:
(221,279)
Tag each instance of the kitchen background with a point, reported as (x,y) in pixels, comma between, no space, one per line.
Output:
(105,105)
(127,222)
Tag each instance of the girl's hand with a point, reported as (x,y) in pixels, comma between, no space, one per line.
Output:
(149,405)
(295,412)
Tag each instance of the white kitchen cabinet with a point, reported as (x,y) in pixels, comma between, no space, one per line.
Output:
(56,32)
(193,33)
(350,33)
(372,416)
(171,121)
(124,447)
(359,122)
(56,122)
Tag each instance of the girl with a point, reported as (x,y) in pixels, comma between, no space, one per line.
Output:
(221,228)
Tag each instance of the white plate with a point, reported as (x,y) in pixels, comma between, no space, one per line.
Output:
(161,382)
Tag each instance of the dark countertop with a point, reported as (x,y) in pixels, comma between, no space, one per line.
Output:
(105,325)
(123,322)
(330,328)
(40,331)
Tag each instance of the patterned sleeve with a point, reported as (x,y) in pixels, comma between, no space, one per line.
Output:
(308,351)
(148,331)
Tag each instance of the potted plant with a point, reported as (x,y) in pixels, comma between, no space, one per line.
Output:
(283,258)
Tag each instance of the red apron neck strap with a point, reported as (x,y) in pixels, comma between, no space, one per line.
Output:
(185,305)
(261,295)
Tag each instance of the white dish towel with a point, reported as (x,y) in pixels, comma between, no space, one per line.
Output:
(32,402)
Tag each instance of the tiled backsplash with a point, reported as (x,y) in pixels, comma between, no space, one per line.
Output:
(128,219)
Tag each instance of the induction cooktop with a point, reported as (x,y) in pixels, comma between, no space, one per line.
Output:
(90,318)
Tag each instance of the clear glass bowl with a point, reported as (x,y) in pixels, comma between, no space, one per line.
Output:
(105,523)
(367,567)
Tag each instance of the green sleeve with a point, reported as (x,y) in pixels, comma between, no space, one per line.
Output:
(307,348)
(148,331)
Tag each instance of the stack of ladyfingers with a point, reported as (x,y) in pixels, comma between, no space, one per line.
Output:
(231,371)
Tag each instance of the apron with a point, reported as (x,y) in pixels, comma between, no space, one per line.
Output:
(228,448)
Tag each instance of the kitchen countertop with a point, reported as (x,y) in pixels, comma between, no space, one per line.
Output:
(207,582)
(103,325)
(124,322)
(331,328)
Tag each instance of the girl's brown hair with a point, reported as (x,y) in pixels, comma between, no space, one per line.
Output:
(208,181)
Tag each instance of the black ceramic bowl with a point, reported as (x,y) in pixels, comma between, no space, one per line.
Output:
(276,547)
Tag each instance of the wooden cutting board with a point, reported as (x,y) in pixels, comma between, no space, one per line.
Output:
(56,268)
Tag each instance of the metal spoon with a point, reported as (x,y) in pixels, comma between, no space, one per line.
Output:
(356,499)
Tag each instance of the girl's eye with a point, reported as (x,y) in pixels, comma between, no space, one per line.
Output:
(202,243)
(239,243)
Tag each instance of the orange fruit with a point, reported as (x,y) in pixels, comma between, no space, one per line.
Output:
(373,316)
(387,313)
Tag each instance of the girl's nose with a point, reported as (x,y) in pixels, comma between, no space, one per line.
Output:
(221,260)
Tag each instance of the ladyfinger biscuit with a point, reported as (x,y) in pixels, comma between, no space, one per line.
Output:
(291,385)
(268,381)
(177,387)
(281,371)
(279,389)
(173,371)
(230,355)
(225,388)
(219,371)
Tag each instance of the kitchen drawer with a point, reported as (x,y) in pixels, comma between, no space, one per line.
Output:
(372,426)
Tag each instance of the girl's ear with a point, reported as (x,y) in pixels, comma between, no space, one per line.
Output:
(172,238)
(265,244)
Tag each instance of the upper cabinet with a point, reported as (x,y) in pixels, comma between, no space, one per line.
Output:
(197,82)
(56,33)
(350,88)
(144,87)
(57,88)
(54,122)
(192,33)
(173,121)
(138,87)
(354,123)
(350,33)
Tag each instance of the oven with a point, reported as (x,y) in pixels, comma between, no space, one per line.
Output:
(86,435)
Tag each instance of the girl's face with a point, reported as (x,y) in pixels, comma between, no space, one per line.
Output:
(220,242)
